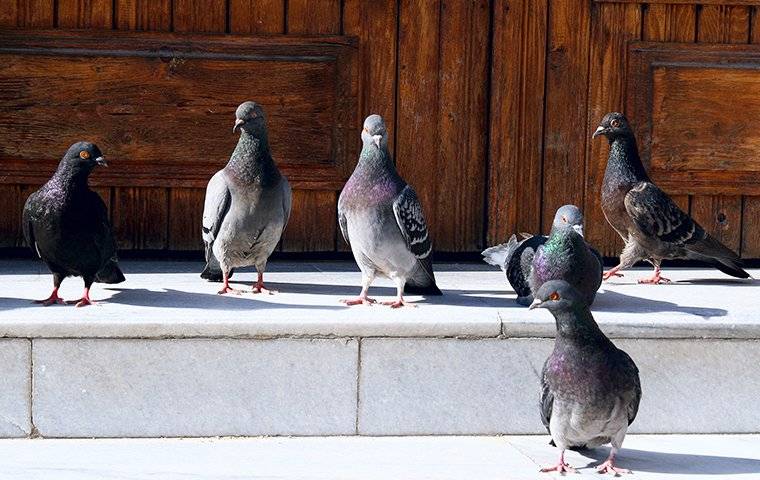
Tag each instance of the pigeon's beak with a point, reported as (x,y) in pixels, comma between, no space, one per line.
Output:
(376,140)
(101,161)
(599,130)
(238,123)
(579,229)
(536,304)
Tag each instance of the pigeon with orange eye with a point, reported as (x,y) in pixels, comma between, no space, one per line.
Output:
(590,389)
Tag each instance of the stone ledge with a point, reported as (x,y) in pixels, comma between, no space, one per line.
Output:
(168,300)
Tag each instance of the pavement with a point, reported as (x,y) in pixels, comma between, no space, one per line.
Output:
(478,302)
(660,457)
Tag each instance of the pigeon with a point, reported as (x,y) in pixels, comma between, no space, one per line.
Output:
(381,219)
(515,257)
(590,389)
(66,224)
(247,204)
(566,256)
(650,223)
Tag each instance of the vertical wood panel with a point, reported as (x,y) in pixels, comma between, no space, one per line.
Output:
(185,217)
(257,16)
(12,200)
(751,204)
(417,115)
(721,215)
(566,107)
(200,16)
(612,26)
(144,15)
(140,217)
(85,13)
(313,220)
(27,13)
(671,23)
(462,125)
(516,133)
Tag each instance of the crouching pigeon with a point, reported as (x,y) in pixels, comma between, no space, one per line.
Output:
(515,257)
(247,204)
(66,224)
(381,218)
(650,223)
(590,389)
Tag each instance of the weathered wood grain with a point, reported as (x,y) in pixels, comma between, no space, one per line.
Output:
(143,15)
(564,168)
(309,16)
(612,27)
(85,14)
(140,218)
(257,16)
(185,216)
(199,16)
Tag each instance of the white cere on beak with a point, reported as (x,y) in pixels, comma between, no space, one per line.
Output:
(598,131)
(535,304)
(376,139)
(579,229)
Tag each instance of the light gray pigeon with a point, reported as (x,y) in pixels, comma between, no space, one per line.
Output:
(646,218)
(590,389)
(381,218)
(247,203)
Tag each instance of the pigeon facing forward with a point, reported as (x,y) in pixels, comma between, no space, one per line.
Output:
(590,390)
(381,218)
(247,204)
(516,257)
(566,256)
(650,223)
(66,225)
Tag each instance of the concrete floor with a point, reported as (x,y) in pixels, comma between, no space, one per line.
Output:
(336,458)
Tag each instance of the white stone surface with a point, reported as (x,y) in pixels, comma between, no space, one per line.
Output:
(15,388)
(367,458)
(477,303)
(194,387)
(448,386)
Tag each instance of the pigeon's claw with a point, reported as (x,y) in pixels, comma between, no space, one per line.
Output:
(51,300)
(84,301)
(655,279)
(610,468)
(228,289)
(611,273)
(398,303)
(560,468)
(358,301)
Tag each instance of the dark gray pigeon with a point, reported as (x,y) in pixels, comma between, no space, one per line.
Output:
(590,389)
(247,204)
(566,256)
(66,224)
(381,218)
(649,222)
(516,257)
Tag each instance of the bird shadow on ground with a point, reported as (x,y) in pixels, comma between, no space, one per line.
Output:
(737,282)
(609,301)
(676,463)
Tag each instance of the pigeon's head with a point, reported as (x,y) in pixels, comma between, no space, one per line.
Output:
(613,125)
(568,216)
(249,116)
(83,157)
(374,132)
(557,296)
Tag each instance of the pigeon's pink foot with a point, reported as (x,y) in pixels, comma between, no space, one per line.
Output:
(398,303)
(611,273)
(361,300)
(51,300)
(260,288)
(228,289)
(84,301)
(561,467)
(655,279)
(609,467)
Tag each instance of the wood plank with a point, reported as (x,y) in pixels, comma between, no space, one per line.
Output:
(671,23)
(418,116)
(721,215)
(10,222)
(566,107)
(185,215)
(687,2)
(312,222)
(200,16)
(140,218)
(257,16)
(144,15)
(85,13)
(751,227)
(309,16)
(27,13)
(462,125)
(614,26)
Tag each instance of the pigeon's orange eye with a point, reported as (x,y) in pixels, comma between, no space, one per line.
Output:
(554,296)
(615,123)
(84,154)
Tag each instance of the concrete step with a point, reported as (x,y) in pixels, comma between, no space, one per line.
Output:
(659,457)
(163,355)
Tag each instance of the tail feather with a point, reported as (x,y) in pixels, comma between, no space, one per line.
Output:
(499,255)
(710,250)
(110,273)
